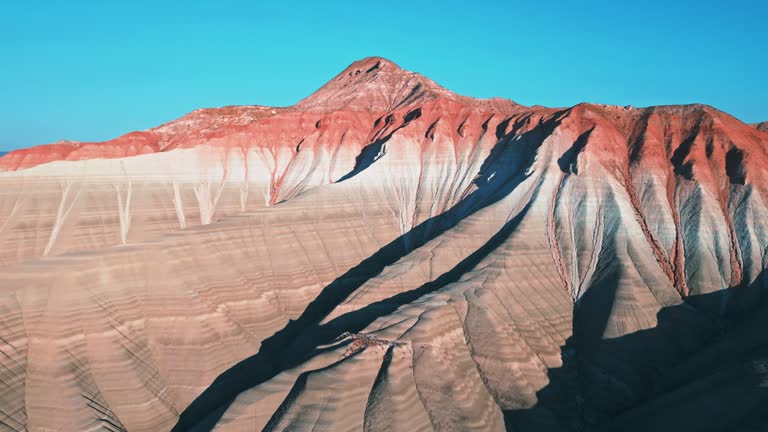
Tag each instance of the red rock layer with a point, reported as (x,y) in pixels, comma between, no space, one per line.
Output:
(364,91)
(424,261)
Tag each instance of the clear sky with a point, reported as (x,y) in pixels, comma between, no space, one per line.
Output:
(92,70)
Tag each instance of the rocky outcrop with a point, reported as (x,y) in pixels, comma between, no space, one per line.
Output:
(388,255)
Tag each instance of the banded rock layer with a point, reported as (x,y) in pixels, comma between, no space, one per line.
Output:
(388,255)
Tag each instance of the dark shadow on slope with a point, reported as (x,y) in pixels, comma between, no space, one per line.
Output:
(682,166)
(367,157)
(356,321)
(373,151)
(508,162)
(568,162)
(700,368)
(735,166)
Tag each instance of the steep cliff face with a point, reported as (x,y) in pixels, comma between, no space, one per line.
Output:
(389,255)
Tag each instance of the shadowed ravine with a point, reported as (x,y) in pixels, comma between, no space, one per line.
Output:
(358,320)
(389,255)
(717,340)
(653,363)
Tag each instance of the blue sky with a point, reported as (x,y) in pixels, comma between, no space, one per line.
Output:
(92,70)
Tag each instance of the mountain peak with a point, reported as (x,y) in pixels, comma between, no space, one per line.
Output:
(374,84)
(370,64)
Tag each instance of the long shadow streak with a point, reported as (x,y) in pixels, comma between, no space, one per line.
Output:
(358,320)
(503,170)
(703,367)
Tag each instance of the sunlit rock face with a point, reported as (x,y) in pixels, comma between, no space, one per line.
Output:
(388,255)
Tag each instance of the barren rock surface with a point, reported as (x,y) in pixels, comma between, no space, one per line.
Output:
(388,255)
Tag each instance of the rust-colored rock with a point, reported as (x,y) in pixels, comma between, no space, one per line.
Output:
(389,255)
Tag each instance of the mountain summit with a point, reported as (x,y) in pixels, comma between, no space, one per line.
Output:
(375,84)
(389,255)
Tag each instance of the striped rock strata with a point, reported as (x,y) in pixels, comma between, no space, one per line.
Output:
(389,255)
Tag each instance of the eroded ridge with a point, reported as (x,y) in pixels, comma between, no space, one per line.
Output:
(389,255)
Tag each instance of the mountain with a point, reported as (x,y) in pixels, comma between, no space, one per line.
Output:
(389,255)
(373,86)
(762,126)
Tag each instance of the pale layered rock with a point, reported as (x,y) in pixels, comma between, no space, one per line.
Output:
(388,255)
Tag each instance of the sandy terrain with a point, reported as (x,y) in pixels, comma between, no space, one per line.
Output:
(387,255)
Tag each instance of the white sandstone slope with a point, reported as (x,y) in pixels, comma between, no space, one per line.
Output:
(388,255)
